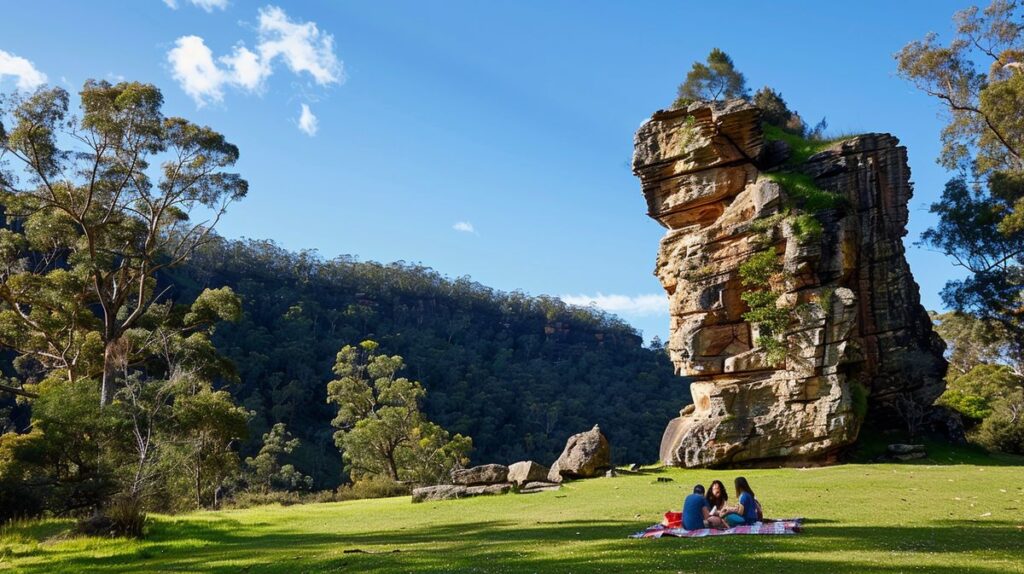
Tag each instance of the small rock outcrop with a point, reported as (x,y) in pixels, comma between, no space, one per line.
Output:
(483,474)
(857,345)
(439,492)
(586,455)
(526,471)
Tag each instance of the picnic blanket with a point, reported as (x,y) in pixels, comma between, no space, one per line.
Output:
(782,526)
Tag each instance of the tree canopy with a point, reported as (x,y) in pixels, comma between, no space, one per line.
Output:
(90,222)
(715,79)
(978,76)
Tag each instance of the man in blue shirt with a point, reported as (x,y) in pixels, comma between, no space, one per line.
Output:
(696,509)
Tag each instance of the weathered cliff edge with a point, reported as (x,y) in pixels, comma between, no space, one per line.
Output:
(859,344)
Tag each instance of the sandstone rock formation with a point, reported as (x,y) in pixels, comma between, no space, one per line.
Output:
(453,491)
(857,343)
(526,471)
(439,492)
(483,474)
(586,455)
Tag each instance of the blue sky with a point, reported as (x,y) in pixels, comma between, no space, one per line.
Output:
(481,138)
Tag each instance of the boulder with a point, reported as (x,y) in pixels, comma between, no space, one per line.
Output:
(483,474)
(909,456)
(439,492)
(488,489)
(904,448)
(526,471)
(538,486)
(586,455)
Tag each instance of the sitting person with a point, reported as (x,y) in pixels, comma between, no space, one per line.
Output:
(745,512)
(717,497)
(697,511)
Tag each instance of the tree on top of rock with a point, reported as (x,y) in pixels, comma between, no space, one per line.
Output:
(717,79)
(775,111)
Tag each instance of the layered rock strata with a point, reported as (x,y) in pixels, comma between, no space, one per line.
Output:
(858,344)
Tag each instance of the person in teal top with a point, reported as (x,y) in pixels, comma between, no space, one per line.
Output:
(745,512)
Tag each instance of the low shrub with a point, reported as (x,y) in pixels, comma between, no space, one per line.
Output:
(123,517)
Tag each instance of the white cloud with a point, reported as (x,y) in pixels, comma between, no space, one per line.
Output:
(308,122)
(208,5)
(193,67)
(639,306)
(246,69)
(464,227)
(26,74)
(302,46)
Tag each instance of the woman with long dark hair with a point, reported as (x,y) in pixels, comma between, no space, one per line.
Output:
(717,496)
(745,511)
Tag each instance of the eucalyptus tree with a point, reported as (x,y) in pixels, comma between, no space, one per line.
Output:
(978,77)
(381,429)
(96,205)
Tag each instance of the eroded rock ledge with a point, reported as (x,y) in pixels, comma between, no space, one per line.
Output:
(859,345)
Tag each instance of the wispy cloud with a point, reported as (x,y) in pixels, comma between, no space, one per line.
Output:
(638,306)
(27,77)
(302,46)
(308,122)
(464,227)
(208,5)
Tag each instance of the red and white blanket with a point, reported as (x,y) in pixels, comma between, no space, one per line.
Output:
(785,526)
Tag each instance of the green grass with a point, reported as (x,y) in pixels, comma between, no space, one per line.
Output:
(934,517)
(804,192)
(800,148)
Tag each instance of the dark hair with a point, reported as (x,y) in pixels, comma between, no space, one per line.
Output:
(699,489)
(742,486)
(718,501)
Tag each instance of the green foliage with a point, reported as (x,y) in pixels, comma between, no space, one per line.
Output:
(806,195)
(760,268)
(806,227)
(859,395)
(265,472)
(717,79)
(975,392)
(97,224)
(1003,430)
(972,341)
(979,78)
(971,231)
(381,431)
(801,148)
(985,130)
(519,374)
(127,516)
(757,274)
(776,114)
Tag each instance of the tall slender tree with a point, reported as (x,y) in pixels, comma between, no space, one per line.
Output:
(979,79)
(96,205)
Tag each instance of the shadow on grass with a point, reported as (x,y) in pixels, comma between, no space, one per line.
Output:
(225,545)
(872,445)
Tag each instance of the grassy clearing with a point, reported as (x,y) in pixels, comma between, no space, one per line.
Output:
(935,516)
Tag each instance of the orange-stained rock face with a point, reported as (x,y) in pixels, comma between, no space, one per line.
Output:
(857,319)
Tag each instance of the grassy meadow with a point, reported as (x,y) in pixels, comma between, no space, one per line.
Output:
(948,514)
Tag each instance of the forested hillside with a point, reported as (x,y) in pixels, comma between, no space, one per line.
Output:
(517,373)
